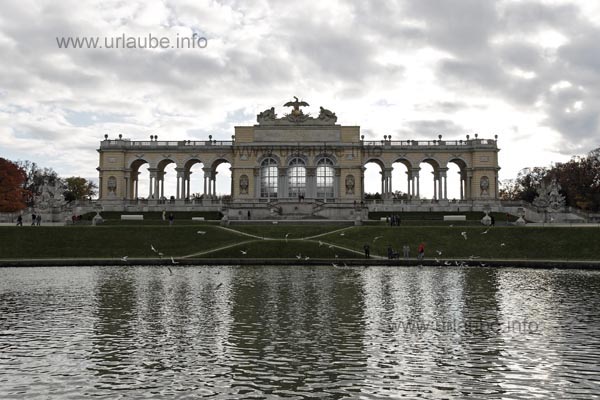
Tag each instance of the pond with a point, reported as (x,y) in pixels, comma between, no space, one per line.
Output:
(298,332)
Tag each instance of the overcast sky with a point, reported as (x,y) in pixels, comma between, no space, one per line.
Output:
(528,71)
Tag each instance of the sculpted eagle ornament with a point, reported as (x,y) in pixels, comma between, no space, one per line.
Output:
(296,104)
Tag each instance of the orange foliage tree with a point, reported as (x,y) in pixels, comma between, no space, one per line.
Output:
(12,193)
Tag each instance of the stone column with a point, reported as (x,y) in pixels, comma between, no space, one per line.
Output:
(153,186)
(180,175)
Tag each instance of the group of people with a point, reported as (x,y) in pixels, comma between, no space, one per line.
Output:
(35,220)
(394,220)
(405,251)
(171,217)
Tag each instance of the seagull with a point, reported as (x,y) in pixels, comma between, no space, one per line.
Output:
(286,236)
(377,237)
(173,261)
(436,260)
(201,233)
(299,256)
(342,234)
(439,252)
(244,252)
(502,244)
(307,258)
(334,265)
(483,264)
(153,249)
(124,258)
(447,263)
(486,231)
(464,234)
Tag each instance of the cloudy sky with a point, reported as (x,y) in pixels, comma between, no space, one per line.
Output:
(528,71)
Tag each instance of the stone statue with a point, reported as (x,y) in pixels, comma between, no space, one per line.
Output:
(349,184)
(267,115)
(244,184)
(326,115)
(50,195)
(549,197)
(484,185)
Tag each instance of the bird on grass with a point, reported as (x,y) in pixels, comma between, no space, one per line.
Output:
(447,263)
(376,237)
(298,256)
(342,234)
(436,260)
(320,243)
(244,252)
(153,249)
(173,261)
(486,231)
(286,236)
(464,234)
(307,258)
(439,252)
(502,244)
(201,233)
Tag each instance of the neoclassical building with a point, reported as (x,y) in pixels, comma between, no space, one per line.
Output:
(294,166)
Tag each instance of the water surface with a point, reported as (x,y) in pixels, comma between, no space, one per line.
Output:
(298,332)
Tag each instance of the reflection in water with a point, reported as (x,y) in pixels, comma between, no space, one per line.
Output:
(232,332)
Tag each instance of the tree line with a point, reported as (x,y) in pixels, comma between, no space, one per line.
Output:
(21,181)
(579,179)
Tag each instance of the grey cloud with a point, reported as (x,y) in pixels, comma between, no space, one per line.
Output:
(431,129)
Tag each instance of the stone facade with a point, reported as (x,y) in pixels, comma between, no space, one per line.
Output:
(296,164)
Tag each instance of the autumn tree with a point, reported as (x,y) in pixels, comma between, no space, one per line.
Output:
(12,193)
(78,188)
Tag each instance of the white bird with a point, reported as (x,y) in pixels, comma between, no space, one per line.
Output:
(244,252)
(436,260)
(377,237)
(334,265)
(153,249)
(201,233)
(464,234)
(286,236)
(320,243)
(451,225)
(486,231)
(299,256)
(483,264)
(342,234)
(502,244)
(331,246)
(173,261)
(439,252)
(336,256)
(160,254)
(307,258)
(447,263)
(124,258)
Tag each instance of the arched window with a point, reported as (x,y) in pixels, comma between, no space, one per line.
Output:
(297,178)
(325,175)
(268,178)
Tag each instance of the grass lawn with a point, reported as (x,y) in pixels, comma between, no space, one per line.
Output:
(500,242)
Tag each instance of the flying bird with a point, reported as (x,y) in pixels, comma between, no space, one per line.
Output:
(464,234)
(439,252)
(486,231)
(299,256)
(244,252)
(201,233)
(153,249)
(173,261)
(124,258)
